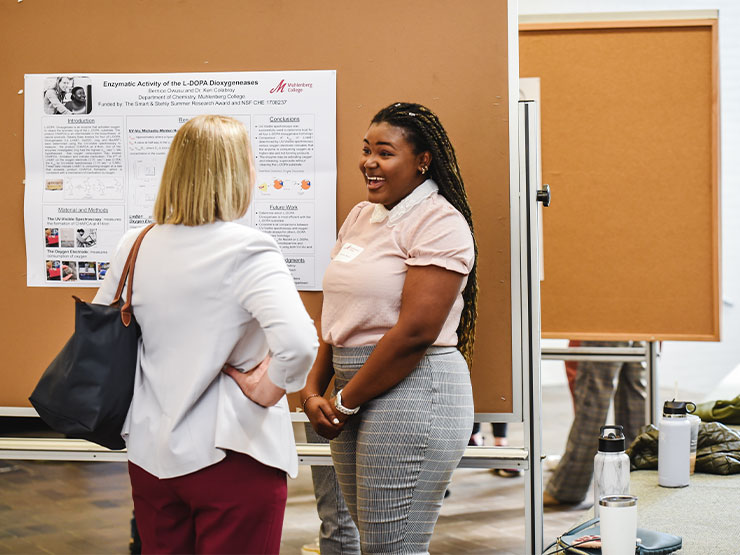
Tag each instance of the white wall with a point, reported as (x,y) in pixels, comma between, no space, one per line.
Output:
(698,366)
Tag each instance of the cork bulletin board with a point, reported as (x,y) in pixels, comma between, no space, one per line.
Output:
(453,60)
(630,148)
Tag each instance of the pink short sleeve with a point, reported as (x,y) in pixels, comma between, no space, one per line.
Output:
(441,237)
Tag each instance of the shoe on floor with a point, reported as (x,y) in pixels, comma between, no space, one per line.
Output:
(311,548)
(551,462)
(550,501)
(476,440)
(507,472)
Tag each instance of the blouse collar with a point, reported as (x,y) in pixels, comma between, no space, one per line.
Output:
(414,198)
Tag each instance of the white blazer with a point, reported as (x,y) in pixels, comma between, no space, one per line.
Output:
(204,296)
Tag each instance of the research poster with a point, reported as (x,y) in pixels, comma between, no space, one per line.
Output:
(95,146)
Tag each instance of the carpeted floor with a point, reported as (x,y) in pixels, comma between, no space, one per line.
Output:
(704,514)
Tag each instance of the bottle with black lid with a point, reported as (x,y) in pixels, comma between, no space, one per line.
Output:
(611,465)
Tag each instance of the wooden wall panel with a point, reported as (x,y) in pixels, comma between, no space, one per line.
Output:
(454,60)
(630,149)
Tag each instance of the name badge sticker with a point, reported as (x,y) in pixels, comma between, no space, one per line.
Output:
(348,253)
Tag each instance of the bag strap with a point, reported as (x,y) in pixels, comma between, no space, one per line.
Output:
(122,280)
(580,527)
(127,311)
(564,547)
(127,265)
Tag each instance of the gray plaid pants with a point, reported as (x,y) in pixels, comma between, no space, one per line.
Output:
(338,534)
(395,458)
(593,391)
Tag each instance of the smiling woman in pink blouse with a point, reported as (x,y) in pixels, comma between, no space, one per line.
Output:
(398,325)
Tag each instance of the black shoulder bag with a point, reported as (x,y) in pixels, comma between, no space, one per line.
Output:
(86,391)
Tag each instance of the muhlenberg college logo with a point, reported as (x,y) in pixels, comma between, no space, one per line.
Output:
(283,87)
(280,87)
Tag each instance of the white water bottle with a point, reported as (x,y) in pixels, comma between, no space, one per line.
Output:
(611,465)
(674,445)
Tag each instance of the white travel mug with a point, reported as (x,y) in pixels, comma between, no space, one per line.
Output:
(618,515)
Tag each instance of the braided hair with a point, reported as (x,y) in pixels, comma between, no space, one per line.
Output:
(425,133)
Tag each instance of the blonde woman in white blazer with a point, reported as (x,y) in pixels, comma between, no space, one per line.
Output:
(209,446)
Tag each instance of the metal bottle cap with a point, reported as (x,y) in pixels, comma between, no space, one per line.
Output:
(678,408)
(612,442)
(618,501)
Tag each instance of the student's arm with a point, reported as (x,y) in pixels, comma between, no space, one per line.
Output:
(427,298)
(264,287)
(317,408)
(51,96)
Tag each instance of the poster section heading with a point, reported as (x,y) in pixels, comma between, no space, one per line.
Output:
(96,144)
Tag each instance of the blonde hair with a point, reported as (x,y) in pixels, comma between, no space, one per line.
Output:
(208,175)
(58,88)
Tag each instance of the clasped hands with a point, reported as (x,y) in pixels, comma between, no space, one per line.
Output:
(325,418)
(256,383)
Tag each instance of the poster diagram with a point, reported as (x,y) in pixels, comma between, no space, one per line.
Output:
(95,147)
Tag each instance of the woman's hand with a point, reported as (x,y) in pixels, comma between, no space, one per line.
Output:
(256,384)
(321,412)
(324,417)
(339,415)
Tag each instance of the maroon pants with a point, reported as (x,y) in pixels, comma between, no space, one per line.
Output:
(234,506)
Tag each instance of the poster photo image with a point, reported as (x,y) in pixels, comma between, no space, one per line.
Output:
(87,271)
(67,95)
(51,234)
(53,270)
(102,269)
(69,270)
(86,237)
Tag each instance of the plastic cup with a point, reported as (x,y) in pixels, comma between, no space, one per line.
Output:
(694,421)
(618,515)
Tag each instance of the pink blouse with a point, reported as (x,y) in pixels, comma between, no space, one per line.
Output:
(363,283)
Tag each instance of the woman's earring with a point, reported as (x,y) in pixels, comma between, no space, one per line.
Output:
(423,170)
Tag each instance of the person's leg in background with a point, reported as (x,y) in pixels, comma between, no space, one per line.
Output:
(499,434)
(338,534)
(571,368)
(594,387)
(476,437)
(630,398)
(500,440)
